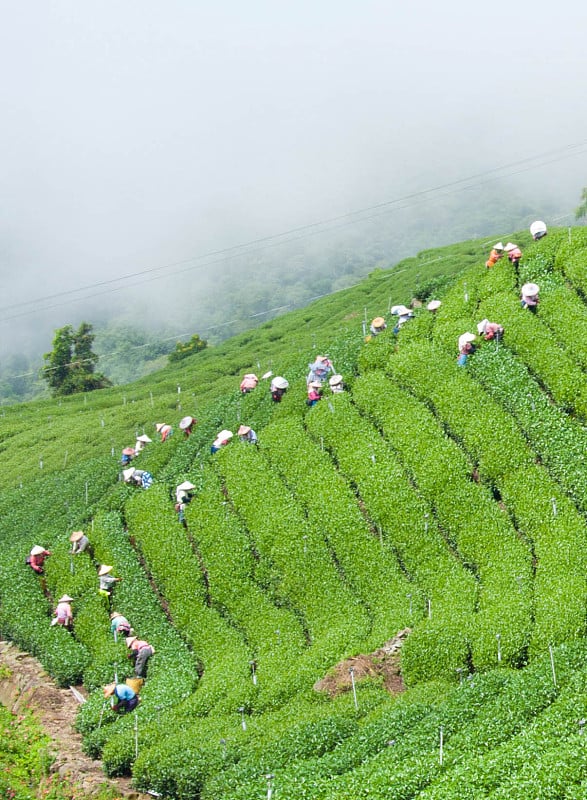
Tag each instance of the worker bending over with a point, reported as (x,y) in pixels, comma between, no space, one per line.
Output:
(123,697)
(495,255)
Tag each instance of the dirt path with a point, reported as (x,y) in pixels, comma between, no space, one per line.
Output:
(383,663)
(29,686)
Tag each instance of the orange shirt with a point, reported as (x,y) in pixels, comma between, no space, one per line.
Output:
(494,257)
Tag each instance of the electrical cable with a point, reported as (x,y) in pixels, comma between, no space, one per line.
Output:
(280,238)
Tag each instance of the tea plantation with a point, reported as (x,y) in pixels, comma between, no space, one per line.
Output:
(445,499)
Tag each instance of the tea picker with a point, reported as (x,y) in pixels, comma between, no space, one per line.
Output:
(186,425)
(123,698)
(142,440)
(138,477)
(247,434)
(248,383)
(127,456)
(378,325)
(337,385)
(538,230)
(278,388)
(319,369)
(79,543)
(495,255)
(529,297)
(63,612)
(106,581)
(37,557)
(221,440)
(119,625)
(403,314)
(314,393)
(140,651)
(183,496)
(514,253)
(466,348)
(490,330)
(164,430)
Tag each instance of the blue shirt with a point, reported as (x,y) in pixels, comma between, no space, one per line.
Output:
(117,621)
(124,692)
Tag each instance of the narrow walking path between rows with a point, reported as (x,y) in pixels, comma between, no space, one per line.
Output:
(28,686)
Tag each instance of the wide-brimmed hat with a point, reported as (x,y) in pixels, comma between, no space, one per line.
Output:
(280,383)
(530,289)
(116,614)
(378,322)
(224,435)
(144,438)
(433,305)
(76,536)
(251,376)
(403,311)
(315,384)
(335,380)
(510,246)
(481,326)
(243,430)
(186,486)
(104,570)
(465,338)
(129,640)
(128,473)
(65,599)
(128,451)
(159,425)
(498,246)
(186,422)
(537,227)
(37,550)
(109,690)
(321,358)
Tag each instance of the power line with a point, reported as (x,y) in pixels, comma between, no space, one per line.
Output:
(311,229)
(230,322)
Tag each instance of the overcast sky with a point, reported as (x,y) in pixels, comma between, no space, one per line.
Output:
(135,133)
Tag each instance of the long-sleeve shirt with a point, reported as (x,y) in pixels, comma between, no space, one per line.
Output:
(107,582)
(494,257)
(248,383)
(142,478)
(81,545)
(492,329)
(63,612)
(118,622)
(123,692)
(36,562)
(251,437)
(137,645)
(165,432)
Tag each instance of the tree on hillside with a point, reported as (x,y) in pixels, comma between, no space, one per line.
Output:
(185,349)
(69,367)
(581,211)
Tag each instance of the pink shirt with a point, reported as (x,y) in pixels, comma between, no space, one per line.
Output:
(63,611)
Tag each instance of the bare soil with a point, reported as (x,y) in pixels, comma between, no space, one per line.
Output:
(381,663)
(28,687)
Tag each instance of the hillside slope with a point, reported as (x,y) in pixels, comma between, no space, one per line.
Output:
(447,499)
